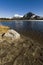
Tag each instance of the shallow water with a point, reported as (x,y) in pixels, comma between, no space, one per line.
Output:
(26,50)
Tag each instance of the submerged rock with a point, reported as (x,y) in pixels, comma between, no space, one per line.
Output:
(23,52)
(12,34)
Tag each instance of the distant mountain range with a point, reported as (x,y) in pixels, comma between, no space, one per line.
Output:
(32,16)
(27,16)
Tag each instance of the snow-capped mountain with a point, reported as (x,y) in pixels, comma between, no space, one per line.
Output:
(18,16)
(32,16)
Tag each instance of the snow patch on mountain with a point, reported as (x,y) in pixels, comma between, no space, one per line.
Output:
(17,15)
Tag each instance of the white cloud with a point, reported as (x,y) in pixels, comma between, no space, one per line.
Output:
(17,15)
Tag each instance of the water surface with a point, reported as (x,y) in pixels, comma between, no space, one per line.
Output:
(32,29)
(25,25)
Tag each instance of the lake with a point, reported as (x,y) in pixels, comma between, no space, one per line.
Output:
(28,50)
(25,25)
(34,29)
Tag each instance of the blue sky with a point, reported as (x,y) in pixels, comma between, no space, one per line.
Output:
(9,8)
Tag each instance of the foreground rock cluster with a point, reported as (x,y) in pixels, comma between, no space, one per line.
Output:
(25,51)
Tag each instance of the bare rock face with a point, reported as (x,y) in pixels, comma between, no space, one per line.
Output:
(12,34)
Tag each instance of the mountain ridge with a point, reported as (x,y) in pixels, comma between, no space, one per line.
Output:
(32,16)
(27,16)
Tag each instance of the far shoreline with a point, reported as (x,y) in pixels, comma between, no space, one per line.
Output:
(20,20)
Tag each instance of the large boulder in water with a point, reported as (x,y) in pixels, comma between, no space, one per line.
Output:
(12,34)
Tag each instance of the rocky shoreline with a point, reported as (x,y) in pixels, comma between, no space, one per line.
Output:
(25,51)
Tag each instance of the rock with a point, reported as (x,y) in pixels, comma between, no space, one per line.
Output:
(12,34)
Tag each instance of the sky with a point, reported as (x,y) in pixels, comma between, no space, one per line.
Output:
(9,8)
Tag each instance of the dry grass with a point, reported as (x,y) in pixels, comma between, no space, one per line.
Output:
(3,29)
